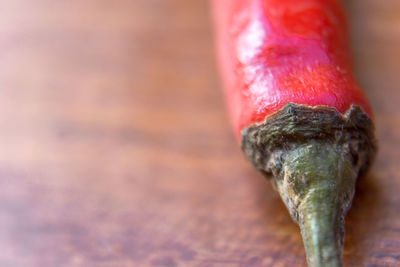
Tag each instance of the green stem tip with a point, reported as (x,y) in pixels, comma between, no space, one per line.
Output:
(317,186)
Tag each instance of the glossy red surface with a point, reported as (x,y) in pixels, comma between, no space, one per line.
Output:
(273,52)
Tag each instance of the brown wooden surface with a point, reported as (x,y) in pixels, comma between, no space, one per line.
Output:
(116,150)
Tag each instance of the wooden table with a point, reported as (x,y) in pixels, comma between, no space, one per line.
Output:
(116,150)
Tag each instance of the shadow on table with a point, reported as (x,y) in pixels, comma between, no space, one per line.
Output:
(363,218)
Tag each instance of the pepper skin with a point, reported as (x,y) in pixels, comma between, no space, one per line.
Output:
(274,52)
(297,110)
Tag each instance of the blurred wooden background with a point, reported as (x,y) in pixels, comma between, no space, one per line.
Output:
(115,149)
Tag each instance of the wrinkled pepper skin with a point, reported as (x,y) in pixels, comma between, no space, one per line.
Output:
(275,52)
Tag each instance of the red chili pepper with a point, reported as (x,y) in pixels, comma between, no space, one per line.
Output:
(297,109)
(273,52)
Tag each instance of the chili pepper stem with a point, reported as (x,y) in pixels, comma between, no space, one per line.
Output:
(317,187)
(313,156)
(321,231)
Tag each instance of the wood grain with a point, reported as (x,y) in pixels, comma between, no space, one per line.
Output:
(116,150)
